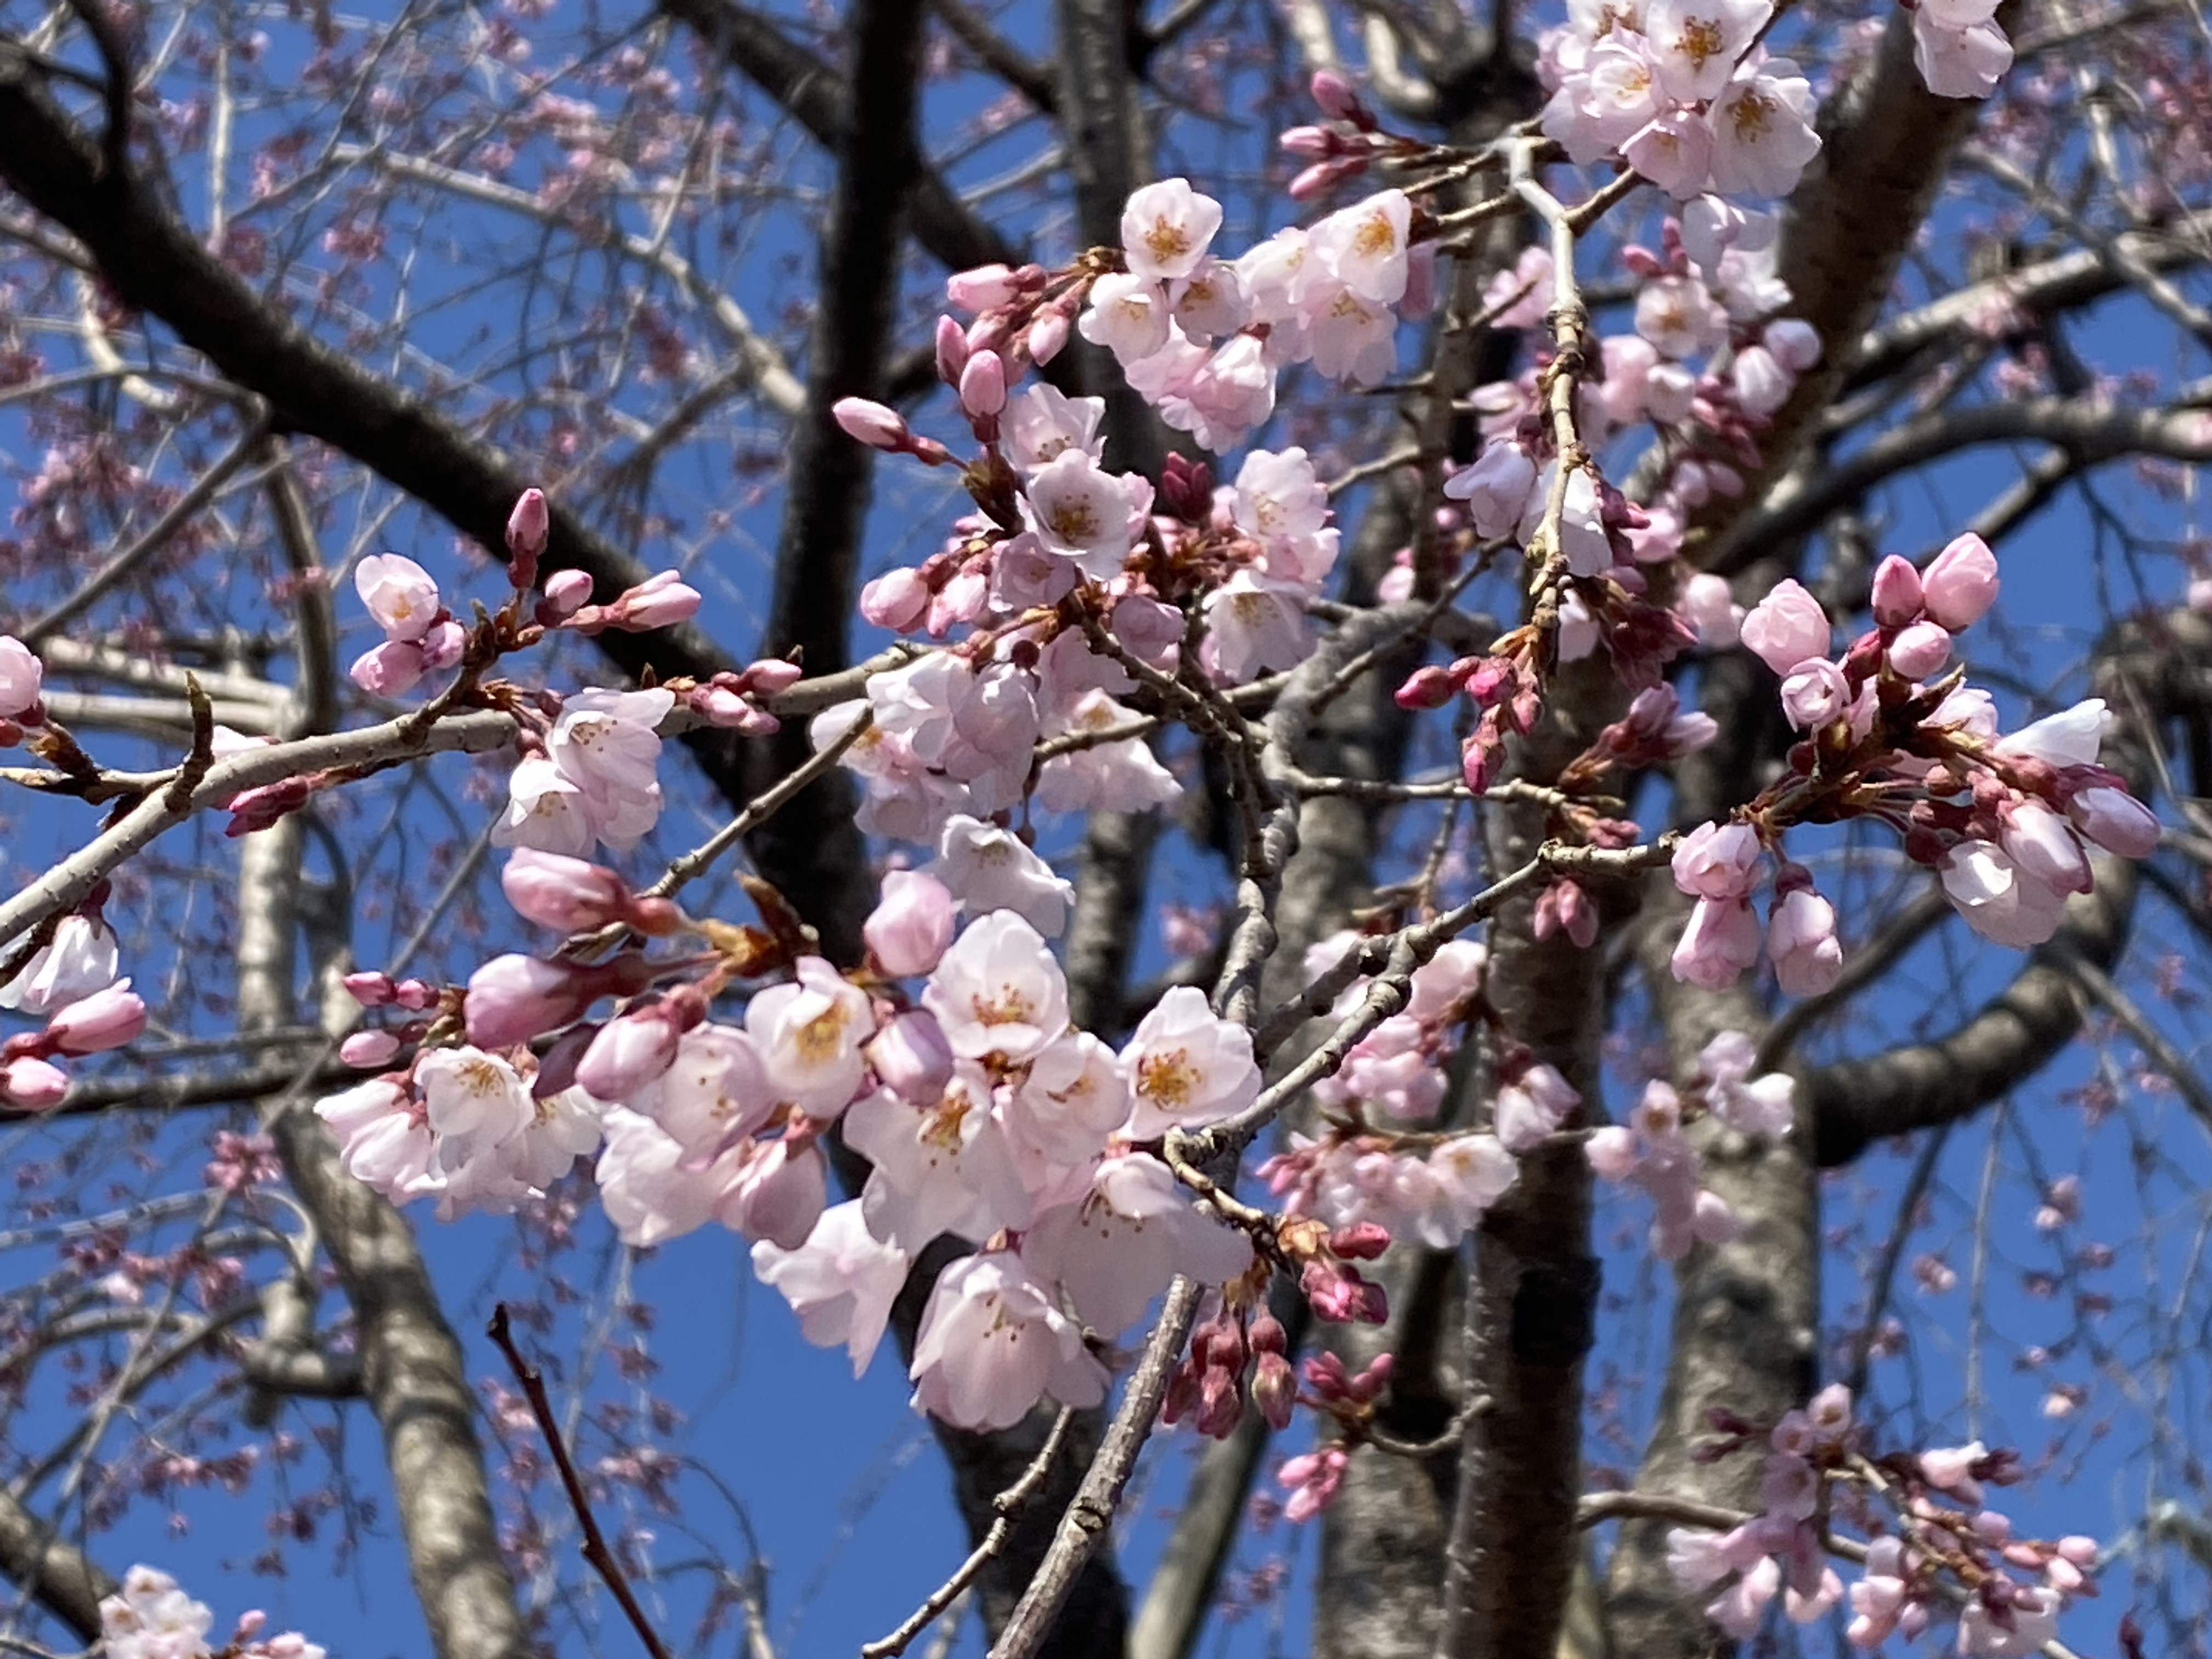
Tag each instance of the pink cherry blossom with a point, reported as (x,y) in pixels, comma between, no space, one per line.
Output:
(993,1344)
(1696,43)
(944,1167)
(810,1033)
(1786,627)
(1078,512)
(1763,132)
(1128,315)
(80,958)
(1960,63)
(998,990)
(1254,624)
(1185,1067)
(986,869)
(1364,247)
(401,596)
(840,1282)
(1116,1248)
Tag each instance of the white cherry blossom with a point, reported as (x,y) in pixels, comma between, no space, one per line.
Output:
(998,990)
(810,1034)
(1166,229)
(993,1344)
(1187,1067)
(988,868)
(1116,1248)
(840,1282)
(940,1169)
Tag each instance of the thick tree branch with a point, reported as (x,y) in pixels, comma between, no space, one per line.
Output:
(1889,143)
(2086,432)
(57,1575)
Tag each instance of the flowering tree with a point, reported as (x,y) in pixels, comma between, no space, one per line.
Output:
(1453,692)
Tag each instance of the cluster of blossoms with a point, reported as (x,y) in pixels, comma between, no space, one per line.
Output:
(1681,91)
(1929,1531)
(151,1618)
(1392,1173)
(1652,1150)
(2006,819)
(983,1113)
(70,981)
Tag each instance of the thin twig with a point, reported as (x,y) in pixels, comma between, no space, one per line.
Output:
(1009,1505)
(595,1543)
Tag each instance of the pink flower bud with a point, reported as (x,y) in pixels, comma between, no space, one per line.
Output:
(512,999)
(566,592)
(629,1054)
(33,1083)
(554,891)
(106,1019)
(910,1057)
(1801,939)
(1717,862)
(1960,583)
(912,926)
(872,424)
(1313,143)
(1813,693)
(370,989)
(1920,651)
(20,674)
(1274,1389)
(527,528)
(1047,336)
(1360,1241)
(1427,687)
(443,646)
(390,670)
(1896,593)
(2115,820)
(252,810)
(1337,99)
(952,350)
(368,1049)
(897,600)
(983,386)
(662,600)
(1796,343)
(415,996)
(1612,1152)
(1720,942)
(1786,628)
(983,288)
(772,677)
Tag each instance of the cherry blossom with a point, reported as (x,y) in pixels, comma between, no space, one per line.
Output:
(840,1282)
(1185,1067)
(993,1343)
